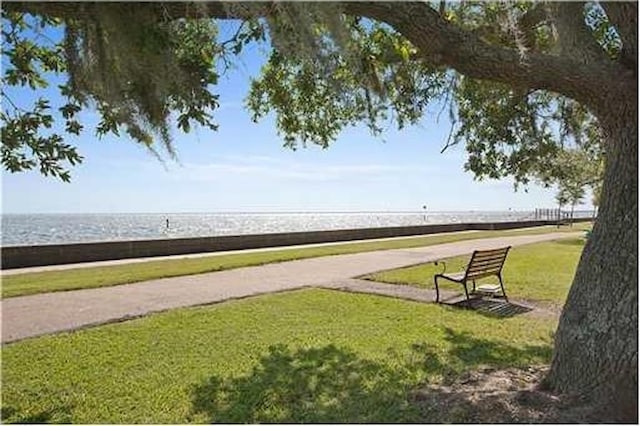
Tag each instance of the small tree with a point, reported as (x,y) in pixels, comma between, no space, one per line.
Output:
(570,195)
(577,169)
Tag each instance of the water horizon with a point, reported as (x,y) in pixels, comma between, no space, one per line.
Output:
(19,229)
(269,212)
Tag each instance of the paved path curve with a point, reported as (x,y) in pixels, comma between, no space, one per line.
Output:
(30,316)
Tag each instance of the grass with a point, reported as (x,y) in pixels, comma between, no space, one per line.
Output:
(309,356)
(535,272)
(80,278)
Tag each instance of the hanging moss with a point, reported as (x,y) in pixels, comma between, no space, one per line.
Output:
(138,67)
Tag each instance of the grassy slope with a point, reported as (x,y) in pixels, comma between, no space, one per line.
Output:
(73,279)
(537,272)
(306,356)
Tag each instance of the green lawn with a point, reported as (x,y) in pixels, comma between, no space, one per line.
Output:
(308,356)
(535,272)
(73,279)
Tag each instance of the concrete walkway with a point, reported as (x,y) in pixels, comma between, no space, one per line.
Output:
(30,316)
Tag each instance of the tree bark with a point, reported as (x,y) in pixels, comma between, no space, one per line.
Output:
(573,206)
(596,344)
(624,16)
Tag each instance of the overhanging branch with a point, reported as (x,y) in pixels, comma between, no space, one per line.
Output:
(443,43)
(438,41)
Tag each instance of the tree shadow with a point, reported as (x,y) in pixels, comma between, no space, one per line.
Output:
(472,350)
(491,307)
(319,385)
(60,414)
(333,385)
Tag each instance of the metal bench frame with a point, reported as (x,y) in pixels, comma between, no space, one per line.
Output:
(483,263)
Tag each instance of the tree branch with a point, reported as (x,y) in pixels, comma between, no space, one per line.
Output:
(15,107)
(439,42)
(443,43)
(624,17)
(234,38)
(534,17)
(172,10)
(574,38)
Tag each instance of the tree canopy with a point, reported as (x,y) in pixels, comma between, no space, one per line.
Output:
(330,67)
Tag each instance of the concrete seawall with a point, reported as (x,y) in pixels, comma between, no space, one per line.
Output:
(58,254)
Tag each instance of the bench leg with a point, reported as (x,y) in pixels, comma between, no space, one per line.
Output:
(435,280)
(465,290)
(502,287)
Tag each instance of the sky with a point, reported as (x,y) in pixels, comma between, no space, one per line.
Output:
(243,167)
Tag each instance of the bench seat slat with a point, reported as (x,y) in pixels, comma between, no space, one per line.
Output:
(456,276)
(482,274)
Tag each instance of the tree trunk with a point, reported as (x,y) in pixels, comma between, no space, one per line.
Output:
(573,206)
(596,344)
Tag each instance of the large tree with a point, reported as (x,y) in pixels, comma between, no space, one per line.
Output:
(521,82)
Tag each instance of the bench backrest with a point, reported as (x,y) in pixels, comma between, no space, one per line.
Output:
(485,263)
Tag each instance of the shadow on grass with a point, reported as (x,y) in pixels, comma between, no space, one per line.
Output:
(323,385)
(492,308)
(334,385)
(60,414)
(472,350)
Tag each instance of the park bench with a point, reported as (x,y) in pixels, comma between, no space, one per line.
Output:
(483,263)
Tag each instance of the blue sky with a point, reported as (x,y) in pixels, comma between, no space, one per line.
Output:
(243,167)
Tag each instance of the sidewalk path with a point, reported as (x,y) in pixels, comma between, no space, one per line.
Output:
(29,316)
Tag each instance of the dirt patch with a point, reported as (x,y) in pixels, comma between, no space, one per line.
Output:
(509,395)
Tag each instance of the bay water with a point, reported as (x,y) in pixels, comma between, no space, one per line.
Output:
(37,229)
